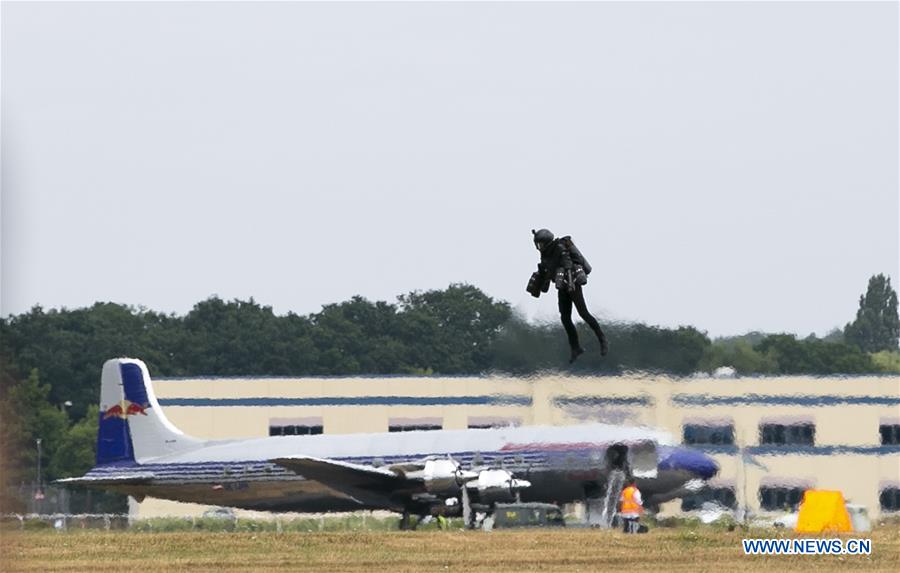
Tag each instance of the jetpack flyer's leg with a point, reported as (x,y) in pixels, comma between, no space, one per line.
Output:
(565,316)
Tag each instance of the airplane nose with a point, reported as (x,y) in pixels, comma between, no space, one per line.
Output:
(693,461)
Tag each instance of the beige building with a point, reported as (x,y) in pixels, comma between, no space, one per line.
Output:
(772,437)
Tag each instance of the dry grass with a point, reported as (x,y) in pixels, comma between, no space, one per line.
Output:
(499,551)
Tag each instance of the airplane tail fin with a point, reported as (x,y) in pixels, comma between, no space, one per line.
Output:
(133,426)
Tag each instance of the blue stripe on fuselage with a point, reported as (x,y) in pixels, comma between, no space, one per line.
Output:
(520,460)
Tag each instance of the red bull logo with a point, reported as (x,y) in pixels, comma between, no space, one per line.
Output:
(124,409)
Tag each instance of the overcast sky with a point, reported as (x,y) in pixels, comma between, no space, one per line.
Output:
(731,166)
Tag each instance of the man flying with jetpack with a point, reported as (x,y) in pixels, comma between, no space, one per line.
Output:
(562,263)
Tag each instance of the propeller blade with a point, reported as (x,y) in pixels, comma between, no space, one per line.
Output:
(520,484)
(466,508)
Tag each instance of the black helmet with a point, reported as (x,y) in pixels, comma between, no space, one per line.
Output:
(542,238)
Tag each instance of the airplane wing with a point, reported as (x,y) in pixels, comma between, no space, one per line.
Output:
(328,471)
(364,484)
(132,478)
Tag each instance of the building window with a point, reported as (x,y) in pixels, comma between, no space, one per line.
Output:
(308,426)
(723,496)
(890,499)
(803,434)
(295,430)
(890,434)
(484,422)
(414,427)
(414,424)
(702,434)
(780,498)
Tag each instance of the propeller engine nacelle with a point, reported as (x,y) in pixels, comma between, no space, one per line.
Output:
(497,486)
(442,476)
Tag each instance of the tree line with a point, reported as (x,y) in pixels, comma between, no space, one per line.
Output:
(52,358)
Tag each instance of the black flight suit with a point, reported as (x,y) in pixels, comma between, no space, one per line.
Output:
(558,263)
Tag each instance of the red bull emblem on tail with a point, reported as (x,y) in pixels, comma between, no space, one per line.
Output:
(124,409)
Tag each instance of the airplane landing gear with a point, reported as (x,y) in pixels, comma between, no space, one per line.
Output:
(409,522)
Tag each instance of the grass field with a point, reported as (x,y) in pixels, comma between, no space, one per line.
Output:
(700,549)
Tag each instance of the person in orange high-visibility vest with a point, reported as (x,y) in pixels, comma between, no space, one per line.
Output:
(631,507)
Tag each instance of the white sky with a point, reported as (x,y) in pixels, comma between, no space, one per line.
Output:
(732,166)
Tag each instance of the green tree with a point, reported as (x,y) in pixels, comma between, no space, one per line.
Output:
(877,325)
(452,331)
(887,361)
(814,356)
(12,439)
(35,419)
(240,338)
(76,453)
(738,354)
(524,347)
(69,346)
(359,337)
(653,348)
